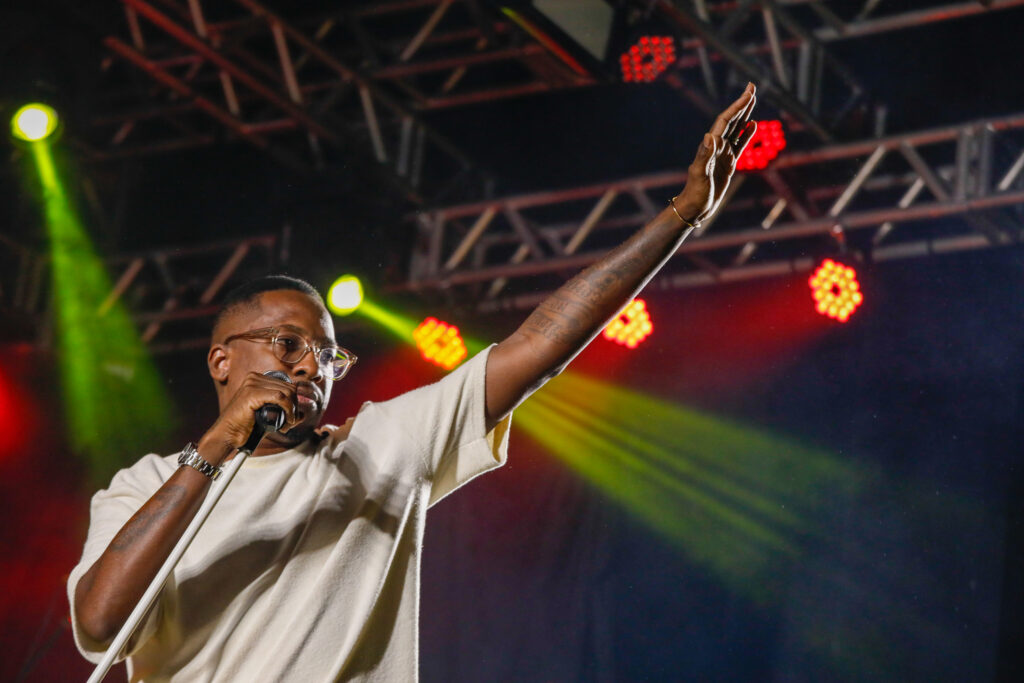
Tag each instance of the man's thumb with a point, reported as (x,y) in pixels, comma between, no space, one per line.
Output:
(707,146)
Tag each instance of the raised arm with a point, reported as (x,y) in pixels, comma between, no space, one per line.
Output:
(569,319)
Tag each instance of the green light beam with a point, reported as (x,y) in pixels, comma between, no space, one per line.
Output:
(399,325)
(741,552)
(741,503)
(403,326)
(114,401)
(729,448)
(685,474)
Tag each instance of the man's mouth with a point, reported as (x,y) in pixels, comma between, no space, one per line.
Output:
(306,402)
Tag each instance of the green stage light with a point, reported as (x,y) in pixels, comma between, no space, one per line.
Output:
(345,295)
(34,122)
(445,350)
(115,405)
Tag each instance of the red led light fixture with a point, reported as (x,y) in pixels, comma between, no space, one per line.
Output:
(835,290)
(631,326)
(647,58)
(439,343)
(766,144)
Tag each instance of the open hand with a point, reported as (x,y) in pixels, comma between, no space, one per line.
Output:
(709,174)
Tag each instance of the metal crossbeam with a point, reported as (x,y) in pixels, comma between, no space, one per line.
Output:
(776,268)
(783,46)
(169,291)
(309,91)
(899,189)
(772,77)
(22,273)
(273,86)
(358,77)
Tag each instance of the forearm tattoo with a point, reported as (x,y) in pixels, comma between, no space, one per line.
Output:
(570,315)
(157,508)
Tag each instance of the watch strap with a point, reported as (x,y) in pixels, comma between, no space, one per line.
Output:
(190,458)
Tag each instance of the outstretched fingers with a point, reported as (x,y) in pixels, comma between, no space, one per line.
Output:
(733,112)
(744,137)
(739,123)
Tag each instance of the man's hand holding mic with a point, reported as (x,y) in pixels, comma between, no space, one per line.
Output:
(263,403)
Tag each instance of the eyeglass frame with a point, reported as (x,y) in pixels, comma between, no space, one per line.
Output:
(271,335)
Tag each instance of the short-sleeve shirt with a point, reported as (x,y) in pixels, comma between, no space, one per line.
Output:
(308,568)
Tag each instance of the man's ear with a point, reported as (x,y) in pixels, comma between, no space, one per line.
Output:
(218,362)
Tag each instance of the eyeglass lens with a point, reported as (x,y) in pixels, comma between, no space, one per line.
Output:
(291,348)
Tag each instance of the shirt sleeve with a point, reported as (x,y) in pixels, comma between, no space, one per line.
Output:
(110,509)
(446,423)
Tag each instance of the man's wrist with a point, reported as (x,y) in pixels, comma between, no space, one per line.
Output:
(190,457)
(213,451)
(685,211)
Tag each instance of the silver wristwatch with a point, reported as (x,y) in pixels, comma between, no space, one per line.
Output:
(190,457)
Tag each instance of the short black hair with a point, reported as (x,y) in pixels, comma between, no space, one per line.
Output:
(245,295)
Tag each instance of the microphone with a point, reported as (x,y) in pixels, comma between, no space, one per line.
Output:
(269,418)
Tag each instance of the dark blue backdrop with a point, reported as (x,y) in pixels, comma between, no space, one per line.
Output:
(532,574)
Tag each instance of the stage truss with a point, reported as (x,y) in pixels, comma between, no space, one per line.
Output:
(358,84)
(349,85)
(783,45)
(358,80)
(171,292)
(933,191)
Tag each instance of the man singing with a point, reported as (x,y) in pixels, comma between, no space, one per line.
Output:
(308,569)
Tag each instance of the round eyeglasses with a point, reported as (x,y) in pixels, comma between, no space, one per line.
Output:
(291,347)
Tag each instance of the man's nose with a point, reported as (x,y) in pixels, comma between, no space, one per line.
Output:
(308,366)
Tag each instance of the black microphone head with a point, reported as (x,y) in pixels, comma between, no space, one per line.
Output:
(271,417)
(277,374)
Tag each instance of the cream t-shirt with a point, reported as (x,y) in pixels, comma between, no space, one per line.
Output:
(308,568)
